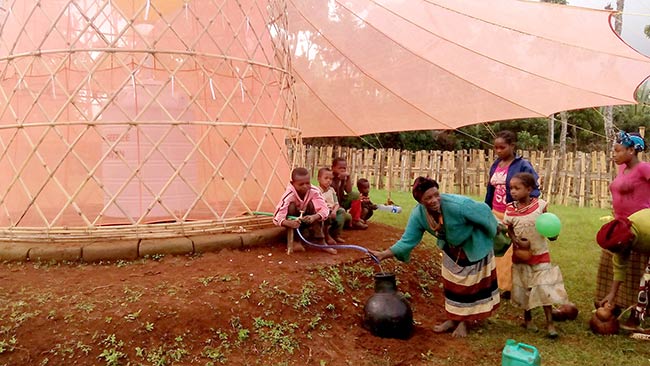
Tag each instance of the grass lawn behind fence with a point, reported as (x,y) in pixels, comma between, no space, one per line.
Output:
(577,254)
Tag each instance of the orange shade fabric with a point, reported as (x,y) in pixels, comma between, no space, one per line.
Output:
(369,66)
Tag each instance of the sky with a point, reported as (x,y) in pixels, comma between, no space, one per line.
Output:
(636,15)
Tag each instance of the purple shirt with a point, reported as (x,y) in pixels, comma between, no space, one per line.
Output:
(631,190)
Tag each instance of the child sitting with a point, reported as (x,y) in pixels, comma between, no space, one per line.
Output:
(535,280)
(367,207)
(334,223)
(348,199)
(302,200)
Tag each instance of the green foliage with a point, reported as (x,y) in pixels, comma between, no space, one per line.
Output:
(277,336)
(307,296)
(112,353)
(585,131)
(526,141)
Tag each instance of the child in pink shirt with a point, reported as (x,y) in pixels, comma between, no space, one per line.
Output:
(305,201)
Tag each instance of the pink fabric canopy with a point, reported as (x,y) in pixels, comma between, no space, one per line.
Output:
(369,66)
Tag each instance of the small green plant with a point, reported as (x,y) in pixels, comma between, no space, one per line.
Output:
(243,335)
(333,278)
(132,316)
(276,335)
(313,323)
(121,263)
(87,307)
(148,327)
(84,348)
(307,295)
(132,295)
(206,280)
(112,354)
(214,354)
(8,345)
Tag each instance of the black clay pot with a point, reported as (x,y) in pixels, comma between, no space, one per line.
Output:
(387,314)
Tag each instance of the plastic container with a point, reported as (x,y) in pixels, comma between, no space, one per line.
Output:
(520,354)
(389,208)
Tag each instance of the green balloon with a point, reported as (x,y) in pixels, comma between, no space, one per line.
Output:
(548,225)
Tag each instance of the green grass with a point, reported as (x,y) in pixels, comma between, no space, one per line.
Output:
(577,254)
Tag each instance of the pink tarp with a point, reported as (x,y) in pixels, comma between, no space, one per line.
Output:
(368,66)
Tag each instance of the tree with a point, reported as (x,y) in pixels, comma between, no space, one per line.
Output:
(551,118)
(608,111)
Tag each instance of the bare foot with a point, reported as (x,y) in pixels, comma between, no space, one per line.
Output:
(552,332)
(330,250)
(445,326)
(339,239)
(330,241)
(297,247)
(461,331)
(529,326)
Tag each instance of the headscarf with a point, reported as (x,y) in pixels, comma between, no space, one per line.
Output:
(421,185)
(615,234)
(631,140)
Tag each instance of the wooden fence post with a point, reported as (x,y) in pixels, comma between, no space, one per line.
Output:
(581,178)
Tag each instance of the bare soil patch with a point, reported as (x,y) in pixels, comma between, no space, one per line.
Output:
(257,306)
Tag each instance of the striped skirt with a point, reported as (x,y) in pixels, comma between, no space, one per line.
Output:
(470,288)
(629,291)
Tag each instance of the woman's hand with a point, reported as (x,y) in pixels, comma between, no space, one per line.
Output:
(381,254)
(609,299)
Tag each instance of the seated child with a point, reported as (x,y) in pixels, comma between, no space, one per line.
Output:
(348,199)
(334,223)
(303,200)
(367,207)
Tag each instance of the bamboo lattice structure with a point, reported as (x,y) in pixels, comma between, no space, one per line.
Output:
(142,118)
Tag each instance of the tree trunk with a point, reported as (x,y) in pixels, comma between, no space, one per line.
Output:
(618,18)
(564,117)
(608,112)
(551,133)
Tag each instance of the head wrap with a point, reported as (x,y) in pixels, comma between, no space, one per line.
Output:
(631,140)
(614,234)
(421,185)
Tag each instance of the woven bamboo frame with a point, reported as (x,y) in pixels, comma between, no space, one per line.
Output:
(44,84)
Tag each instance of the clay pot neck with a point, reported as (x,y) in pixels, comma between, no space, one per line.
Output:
(385,282)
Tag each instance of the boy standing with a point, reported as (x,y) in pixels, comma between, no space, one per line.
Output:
(302,200)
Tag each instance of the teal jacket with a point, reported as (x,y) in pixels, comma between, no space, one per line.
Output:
(467,224)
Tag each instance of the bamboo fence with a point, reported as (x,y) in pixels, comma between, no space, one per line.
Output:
(578,178)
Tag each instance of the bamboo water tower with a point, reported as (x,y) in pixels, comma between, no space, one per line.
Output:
(131,119)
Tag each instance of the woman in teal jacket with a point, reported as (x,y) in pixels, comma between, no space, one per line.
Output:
(465,230)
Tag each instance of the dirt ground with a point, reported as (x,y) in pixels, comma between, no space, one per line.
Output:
(257,306)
